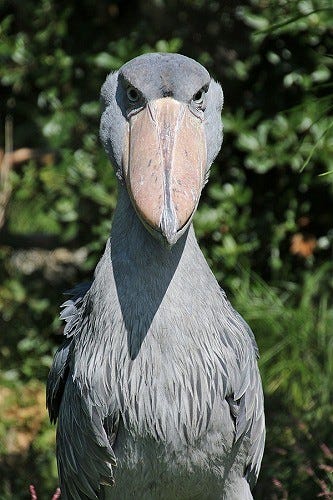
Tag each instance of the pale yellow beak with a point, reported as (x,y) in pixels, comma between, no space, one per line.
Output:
(164,165)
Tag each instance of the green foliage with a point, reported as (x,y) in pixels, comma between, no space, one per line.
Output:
(294,327)
(267,210)
(27,441)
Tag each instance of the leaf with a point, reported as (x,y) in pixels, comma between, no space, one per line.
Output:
(282,24)
(248,141)
(315,147)
(107,61)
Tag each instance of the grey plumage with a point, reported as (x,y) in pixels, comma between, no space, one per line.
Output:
(156,388)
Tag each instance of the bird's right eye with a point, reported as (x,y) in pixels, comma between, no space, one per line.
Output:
(133,95)
(199,96)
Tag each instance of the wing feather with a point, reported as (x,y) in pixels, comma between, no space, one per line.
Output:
(60,367)
(84,450)
(247,403)
(85,456)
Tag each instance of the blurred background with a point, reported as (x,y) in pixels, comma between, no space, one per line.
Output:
(265,221)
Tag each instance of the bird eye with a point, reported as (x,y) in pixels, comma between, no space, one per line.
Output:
(199,96)
(132,94)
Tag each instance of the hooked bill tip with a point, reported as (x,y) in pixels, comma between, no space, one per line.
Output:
(169,226)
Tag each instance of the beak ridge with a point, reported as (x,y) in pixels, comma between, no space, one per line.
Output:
(165,165)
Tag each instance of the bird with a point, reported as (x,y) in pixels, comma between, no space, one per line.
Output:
(156,389)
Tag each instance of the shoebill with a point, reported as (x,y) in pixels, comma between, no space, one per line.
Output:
(156,388)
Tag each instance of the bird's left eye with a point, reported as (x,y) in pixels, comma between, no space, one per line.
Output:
(199,96)
(132,94)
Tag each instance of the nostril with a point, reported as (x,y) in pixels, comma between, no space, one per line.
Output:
(167,93)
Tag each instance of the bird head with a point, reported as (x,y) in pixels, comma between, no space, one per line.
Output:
(161,127)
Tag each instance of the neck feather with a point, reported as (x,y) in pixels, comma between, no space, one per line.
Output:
(148,282)
(132,245)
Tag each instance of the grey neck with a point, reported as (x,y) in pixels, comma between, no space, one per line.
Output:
(151,280)
(131,242)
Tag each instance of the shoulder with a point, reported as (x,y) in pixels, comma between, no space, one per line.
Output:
(71,308)
(58,375)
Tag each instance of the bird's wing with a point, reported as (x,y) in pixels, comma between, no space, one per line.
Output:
(57,378)
(247,404)
(60,367)
(84,451)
